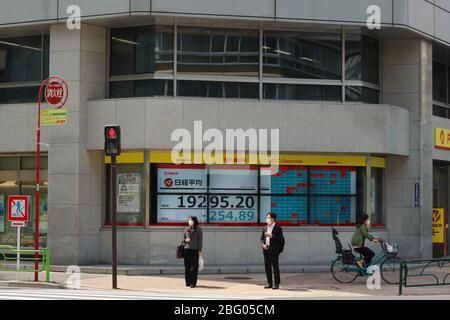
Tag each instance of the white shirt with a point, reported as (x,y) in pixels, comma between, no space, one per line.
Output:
(269,231)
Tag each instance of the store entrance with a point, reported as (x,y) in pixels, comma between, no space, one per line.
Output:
(441,199)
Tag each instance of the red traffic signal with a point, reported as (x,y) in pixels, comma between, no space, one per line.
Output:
(112,140)
(112,133)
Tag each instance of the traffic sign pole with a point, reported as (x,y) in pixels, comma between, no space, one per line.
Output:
(57,100)
(113,149)
(114,221)
(18,251)
(38,165)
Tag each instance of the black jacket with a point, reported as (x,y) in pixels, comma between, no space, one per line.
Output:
(196,236)
(277,241)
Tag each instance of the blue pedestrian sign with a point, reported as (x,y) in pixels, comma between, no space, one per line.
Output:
(18,208)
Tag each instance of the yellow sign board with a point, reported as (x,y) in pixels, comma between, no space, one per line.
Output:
(283,159)
(53,117)
(438,225)
(127,157)
(442,138)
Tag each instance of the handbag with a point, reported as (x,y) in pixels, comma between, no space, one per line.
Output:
(180,251)
(201,263)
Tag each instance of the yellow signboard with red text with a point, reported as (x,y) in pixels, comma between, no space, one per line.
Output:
(442,138)
(439,225)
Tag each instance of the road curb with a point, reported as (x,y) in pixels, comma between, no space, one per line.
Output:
(30,284)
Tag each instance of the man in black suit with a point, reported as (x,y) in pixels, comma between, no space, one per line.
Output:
(272,242)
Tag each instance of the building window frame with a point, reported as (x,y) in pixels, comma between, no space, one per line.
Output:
(441,104)
(259,79)
(45,50)
(259,194)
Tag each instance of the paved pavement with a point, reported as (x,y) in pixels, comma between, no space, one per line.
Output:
(247,286)
(223,286)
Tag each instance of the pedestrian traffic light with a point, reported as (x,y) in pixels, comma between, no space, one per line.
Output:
(112,140)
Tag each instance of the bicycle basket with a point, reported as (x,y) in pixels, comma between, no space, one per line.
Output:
(347,257)
(392,248)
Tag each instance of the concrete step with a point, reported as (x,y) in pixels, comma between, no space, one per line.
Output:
(156,270)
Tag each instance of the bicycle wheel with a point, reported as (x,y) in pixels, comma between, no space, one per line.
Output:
(390,270)
(343,273)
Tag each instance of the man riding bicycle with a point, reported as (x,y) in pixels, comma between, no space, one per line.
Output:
(358,240)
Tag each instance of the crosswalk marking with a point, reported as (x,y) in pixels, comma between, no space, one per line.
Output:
(65,294)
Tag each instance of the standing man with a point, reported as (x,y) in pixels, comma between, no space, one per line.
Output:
(272,242)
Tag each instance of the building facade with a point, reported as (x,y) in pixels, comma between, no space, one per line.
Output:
(362,117)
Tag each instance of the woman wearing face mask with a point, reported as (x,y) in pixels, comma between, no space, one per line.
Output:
(358,240)
(193,243)
(272,242)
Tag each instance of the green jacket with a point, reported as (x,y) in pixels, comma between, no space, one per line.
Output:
(360,235)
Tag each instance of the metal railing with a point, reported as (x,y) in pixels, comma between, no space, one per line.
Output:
(432,269)
(8,254)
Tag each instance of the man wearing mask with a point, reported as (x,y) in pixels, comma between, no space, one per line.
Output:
(272,242)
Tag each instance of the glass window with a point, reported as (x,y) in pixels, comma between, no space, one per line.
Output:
(439,82)
(181,192)
(218,89)
(217,194)
(333,195)
(24,59)
(19,95)
(9,163)
(240,194)
(10,184)
(448,84)
(439,111)
(21,59)
(29,163)
(362,94)
(141,88)
(440,53)
(232,52)
(361,58)
(285,193)
(301,92)
(130,195)
(233,194)
(302,55)
(147,49)
(376,189)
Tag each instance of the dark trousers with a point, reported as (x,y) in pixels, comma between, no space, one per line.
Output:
(366,253)
(271,262)
(191,266)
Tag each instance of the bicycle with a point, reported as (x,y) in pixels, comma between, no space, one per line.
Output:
(345,269)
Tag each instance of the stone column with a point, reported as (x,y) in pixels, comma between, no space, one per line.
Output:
(74,176)
(407,83)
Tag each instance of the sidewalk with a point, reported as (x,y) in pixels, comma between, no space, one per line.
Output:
(236,286)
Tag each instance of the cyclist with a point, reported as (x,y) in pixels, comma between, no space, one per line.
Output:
(358,240)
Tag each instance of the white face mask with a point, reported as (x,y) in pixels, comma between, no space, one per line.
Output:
(368,223)
(269,221)
(191,222)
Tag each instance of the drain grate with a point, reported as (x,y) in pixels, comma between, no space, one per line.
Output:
(238,278)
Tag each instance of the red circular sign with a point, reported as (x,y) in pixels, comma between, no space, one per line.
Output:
(168,182)
(56,92)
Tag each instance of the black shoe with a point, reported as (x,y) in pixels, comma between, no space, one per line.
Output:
(192,285)
(269,286)
(275,287)
(188,285)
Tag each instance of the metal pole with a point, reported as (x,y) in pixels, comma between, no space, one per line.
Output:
(114,221)
(18,252)
(36,206)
